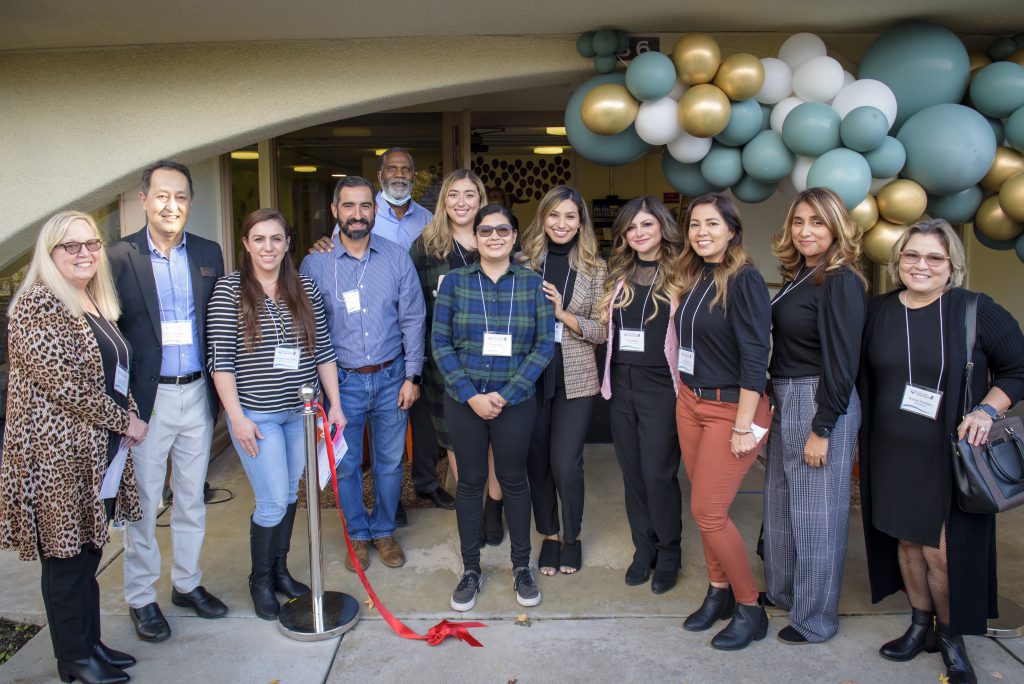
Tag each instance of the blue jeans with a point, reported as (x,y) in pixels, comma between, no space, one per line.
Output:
(274,473)
(373,397)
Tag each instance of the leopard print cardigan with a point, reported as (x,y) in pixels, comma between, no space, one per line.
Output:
(55,447)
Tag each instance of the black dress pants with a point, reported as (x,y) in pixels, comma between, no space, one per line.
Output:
(643,422)
(555,465)
(71,596)
(471,436)
(425,449)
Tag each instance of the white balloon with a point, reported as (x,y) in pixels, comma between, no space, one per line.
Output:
(688,148)
(879,183)
(677,91)
(781,111)
(866,92)
(848,78)
(801,47)
(800,170)
(778,81)
(657,122)
(818,79)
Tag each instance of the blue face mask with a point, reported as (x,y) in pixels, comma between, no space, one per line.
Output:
(396,201)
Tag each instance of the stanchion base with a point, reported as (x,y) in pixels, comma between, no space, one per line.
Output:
(341,613)
(1010,622)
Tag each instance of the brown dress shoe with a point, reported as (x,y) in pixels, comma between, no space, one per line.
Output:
(391,553)
(362,549)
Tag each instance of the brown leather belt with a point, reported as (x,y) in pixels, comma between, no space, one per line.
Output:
(366,370)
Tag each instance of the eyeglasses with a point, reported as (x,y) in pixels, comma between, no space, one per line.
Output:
(76,247)
(503,230)
(910,258)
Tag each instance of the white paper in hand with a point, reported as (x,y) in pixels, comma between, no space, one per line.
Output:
(759,432)
(112,478)
(322,464)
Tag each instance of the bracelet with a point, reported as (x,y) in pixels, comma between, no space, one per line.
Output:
(737,431)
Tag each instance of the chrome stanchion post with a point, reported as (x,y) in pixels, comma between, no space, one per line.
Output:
(319,614)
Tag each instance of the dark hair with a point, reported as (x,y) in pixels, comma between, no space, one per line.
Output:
(726,207)
(147,174)
(396,150)
(289,289)
(690,266)
(351,182)
(491,209)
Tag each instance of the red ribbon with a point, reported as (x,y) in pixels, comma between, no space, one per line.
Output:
(436,634)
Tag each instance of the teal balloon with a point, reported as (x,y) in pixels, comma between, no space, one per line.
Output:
(767,159)
(959,207)
(685,178)
(843,171)
(722,166)
(585,44)
(745,121)
(752,191)
(887,159)
(1019,248)
(609,150)
(950,147)
(651,76)
(605,42)
(864,129)
(998,129)
(923,64)
(997,90)
(1001,48)
(766,116)
(812,129)
(622,41)
(998,245)
(1014,129)
(605,64)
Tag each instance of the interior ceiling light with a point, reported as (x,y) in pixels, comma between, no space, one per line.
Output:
(380,150)
(556,130)
(339,175)
(245,154)
(550,149)
(304,169)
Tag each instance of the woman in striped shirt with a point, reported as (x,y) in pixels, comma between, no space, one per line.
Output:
(267,337)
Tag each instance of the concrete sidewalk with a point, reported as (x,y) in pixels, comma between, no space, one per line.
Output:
(589,627)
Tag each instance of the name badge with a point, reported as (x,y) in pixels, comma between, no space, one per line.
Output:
(631,340)
(921,400)
(559,327)
(286,358)
(176,332)
(497,345)
(351,301)
(687,358)
(121,380)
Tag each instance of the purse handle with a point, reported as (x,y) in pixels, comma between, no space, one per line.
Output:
(1011,436)
(971,325)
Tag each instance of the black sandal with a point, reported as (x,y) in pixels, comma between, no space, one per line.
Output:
(548,557)
(571,556)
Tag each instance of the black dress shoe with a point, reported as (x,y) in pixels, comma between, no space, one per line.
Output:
(920,636)
(664,580)
(90,670)
(401,519)
(719,604)
(117,659)
(637,573)
(440,497)
(203,602)
(954,655)
(150,623)
(749,623)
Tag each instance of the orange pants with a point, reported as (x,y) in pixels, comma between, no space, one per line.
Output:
(705,430)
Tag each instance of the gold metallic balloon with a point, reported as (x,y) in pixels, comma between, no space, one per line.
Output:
(1017,57)
(978,60)
(1006,164)
(697,57)
(704,111)
(1011,197)
(902,201)
(879,241)
(740,76)
(994,223)
(865,214)
(609,109)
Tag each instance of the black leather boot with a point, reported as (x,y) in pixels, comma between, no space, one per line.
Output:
(719,604)
(261,581)
(283,581)
(90,670)
(118,659)
(494,529)
(920,636)
(954,655)
(749,623)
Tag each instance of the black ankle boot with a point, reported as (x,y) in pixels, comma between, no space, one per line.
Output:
(90,670)
(494,530)
(920,636)
(749,623)
(261,581)
(283,581)
(954,655)
(719,604)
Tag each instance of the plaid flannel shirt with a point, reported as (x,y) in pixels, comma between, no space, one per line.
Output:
(458,332)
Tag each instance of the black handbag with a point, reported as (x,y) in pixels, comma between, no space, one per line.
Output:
(989,478)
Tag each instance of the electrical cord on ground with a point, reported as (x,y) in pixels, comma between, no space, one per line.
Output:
(208,494)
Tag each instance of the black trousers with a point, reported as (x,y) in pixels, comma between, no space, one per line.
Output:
(471,436)
(71,596)
(643,422)
(555,465)
(425,449)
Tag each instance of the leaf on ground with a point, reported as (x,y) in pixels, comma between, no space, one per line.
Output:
(369,604)
(996,675)
(523,620)
(943,678)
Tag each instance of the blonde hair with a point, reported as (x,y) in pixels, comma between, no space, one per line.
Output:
(438,234)
(947,236)
(42,270)
(690,267)
(845,249)
(583,256)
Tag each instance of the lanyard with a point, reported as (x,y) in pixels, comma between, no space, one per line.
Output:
(283,330)
(643,311)
(693,320)
(511,302)
(462,255)
(544,272)
(358,282)
(113,342)
(942,346)
(793,284)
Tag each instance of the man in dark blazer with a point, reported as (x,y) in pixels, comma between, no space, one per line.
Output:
(164,278)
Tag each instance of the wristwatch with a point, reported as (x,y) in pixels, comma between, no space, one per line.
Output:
(415,379)
(988,410)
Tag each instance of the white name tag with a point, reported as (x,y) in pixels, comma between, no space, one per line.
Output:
(921,400)
(286,358)
(351,301)
(687,358)
(121,380)
(631,340)
(559,327)
(176,332)
(497,345)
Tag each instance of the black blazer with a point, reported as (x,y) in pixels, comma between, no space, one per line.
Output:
(140,308)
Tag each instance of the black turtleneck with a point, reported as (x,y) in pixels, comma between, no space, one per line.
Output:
(633,318)
(557,270)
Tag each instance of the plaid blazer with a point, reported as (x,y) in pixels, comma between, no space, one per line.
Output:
(578,351)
